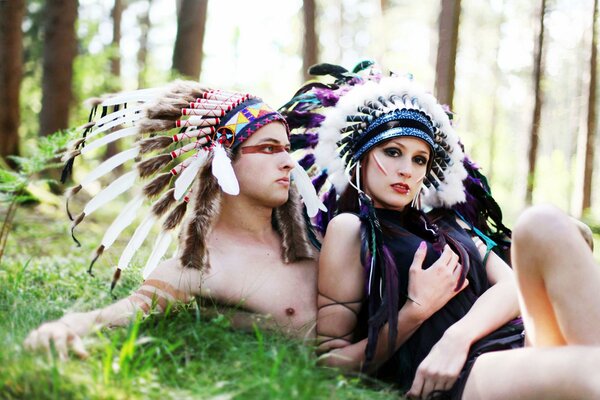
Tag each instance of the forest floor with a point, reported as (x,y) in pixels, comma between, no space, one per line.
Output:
(185,355)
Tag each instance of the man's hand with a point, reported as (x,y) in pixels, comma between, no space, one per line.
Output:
(430,289)
(58,333)
(440,369)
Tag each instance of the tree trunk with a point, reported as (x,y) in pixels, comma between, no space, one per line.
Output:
(538,72)
(115,59)
(495,108)
(310,47)
(60,48)
(591,118)
(11,70)
(191,24)
(115,64)
(142,55)
(446,54)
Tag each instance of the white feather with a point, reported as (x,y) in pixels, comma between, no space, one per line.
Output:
(125,218)
(118,114)
(136,96)
(110,164)
(120,185)
(136,241)
(307,191)
(223,171)
(128,118)
(121,133)
(161,245)
(188,175)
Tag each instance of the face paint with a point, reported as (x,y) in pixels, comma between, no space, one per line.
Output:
(378,163)
(264,149)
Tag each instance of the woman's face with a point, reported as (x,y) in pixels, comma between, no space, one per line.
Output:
(394,171)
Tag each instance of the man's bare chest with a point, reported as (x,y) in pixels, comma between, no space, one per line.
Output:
(263,284)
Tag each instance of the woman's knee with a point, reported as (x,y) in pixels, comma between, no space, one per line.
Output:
(538,225)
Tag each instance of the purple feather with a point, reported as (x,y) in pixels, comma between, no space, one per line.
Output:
(319,181)
(307,161)
(327,97)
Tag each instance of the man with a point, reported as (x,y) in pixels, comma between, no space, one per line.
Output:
(246,250)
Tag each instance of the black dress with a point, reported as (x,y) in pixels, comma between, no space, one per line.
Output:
(401,368)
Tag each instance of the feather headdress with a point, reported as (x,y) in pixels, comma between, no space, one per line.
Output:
(184,137)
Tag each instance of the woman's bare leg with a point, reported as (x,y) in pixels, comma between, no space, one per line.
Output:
(567,372)
(559,281)
(559,285)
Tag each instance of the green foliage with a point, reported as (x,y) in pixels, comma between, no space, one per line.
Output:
(14,184)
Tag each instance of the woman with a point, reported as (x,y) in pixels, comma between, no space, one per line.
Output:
(420,299)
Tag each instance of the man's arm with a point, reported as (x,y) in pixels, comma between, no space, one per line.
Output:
(169,283)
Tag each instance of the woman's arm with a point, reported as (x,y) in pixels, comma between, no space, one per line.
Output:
(169,283)
(341,290)
(498,305)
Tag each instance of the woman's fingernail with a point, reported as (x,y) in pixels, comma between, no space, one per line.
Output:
(422,245)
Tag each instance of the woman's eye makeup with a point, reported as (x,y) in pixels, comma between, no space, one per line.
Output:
(421,160)
(266,148)
(392,152)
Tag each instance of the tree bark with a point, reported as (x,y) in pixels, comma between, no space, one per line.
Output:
(191,25)
(115,59)
(115,64)
(142,55)
(60,48)
(538,74)
(447,48)
(591,118)
(11,71)
(310,47)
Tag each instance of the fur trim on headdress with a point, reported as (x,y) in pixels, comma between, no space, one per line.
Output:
(206,206)
(290,224)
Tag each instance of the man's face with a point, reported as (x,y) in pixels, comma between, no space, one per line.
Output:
(263,166)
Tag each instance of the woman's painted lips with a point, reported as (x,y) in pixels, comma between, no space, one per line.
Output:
(401,188)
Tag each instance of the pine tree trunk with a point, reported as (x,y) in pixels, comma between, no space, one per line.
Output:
(11,70)
(447,48)
(142,55)
(310,48)
(115,64)
(191,24)
(537,108)
(60,48)
(591,118)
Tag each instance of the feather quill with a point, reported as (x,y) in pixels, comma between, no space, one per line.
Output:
(123,220)
(136,241)
(161,245)
(120,185)
(223,171)
(187,176)
(307,191)
(110,164)
(121,133)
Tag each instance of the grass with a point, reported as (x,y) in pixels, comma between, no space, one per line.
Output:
(183,355)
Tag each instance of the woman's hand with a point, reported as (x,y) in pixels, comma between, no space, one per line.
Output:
(442,366)
(61,335)
(430,289)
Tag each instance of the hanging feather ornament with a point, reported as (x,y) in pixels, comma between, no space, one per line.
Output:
(304,185)
(223,171)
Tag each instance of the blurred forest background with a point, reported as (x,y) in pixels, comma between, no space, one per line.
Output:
(521,77)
